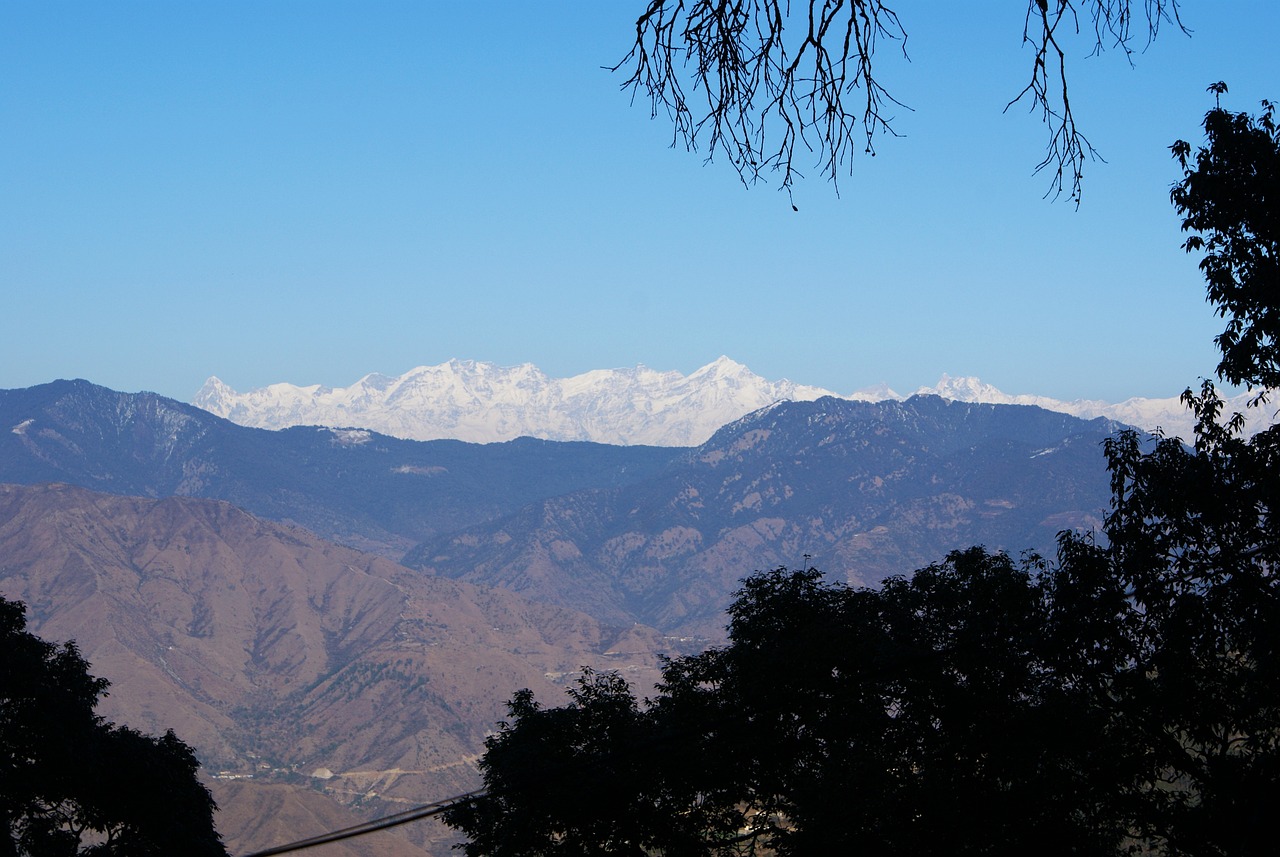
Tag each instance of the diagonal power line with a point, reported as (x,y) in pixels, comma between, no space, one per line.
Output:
(418,812)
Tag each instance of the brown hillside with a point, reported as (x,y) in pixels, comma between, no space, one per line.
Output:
(279,655)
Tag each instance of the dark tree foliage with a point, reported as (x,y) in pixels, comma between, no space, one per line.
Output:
(1229,198)
(1121,699)
(928,716)
(578,780)
(949,712)
(1193,539)
(761,81)
(73,784)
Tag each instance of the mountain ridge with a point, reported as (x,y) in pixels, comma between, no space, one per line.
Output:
(356,487)
(871,488)
(483,403)
(861,489)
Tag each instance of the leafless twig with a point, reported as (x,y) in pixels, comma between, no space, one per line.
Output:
(1068,149)
(755,79)
(722,71)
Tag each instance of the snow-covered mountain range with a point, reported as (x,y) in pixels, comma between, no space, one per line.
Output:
(484,403)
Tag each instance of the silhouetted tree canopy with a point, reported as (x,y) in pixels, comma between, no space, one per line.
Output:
(762,81)
(936,713)
(1193,540)
(1229,198)
(73,784)
(1121,697)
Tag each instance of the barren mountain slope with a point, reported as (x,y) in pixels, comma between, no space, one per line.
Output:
(278,655)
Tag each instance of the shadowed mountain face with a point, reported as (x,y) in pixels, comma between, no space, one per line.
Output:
(353,486)
(278,655)
(866,490)
(655,535)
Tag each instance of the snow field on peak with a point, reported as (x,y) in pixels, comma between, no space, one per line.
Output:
(486,403)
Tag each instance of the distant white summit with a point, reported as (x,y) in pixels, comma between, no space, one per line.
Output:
(1169,415)
(484,403)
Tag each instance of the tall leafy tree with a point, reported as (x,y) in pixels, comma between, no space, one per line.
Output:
(1229,200)
(72,783)
(1194,531)
(1192,538)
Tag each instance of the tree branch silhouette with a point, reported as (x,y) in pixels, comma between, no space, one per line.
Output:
(761,82)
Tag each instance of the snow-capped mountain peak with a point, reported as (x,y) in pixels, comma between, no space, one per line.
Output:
(875,393)
(721,367)
(483,402)
(216,395)
(1167,415)
(962,389)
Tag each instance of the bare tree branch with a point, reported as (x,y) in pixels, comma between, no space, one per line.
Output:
(723,72)
(1068,149)
(756,80)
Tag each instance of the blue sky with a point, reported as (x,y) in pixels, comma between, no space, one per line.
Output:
(311,191)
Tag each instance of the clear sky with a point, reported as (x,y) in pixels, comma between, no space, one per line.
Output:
(309,191)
